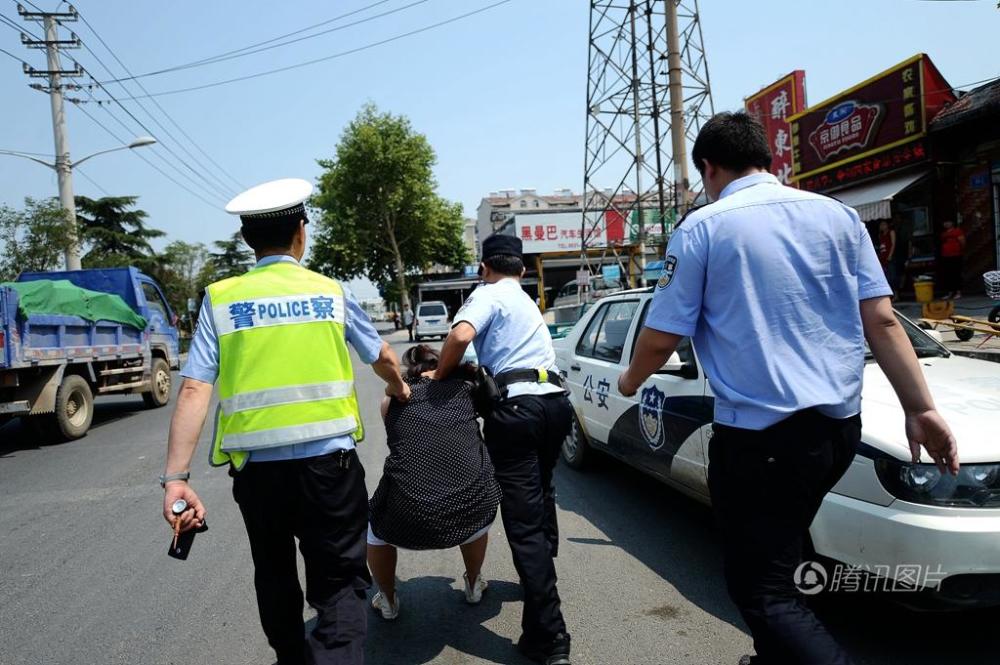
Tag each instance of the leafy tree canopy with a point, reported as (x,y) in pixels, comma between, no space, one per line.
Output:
(379,213)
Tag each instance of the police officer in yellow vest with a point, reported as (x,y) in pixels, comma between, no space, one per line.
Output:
(276,342)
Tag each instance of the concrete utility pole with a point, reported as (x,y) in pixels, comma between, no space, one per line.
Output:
(64,167)
(676,86)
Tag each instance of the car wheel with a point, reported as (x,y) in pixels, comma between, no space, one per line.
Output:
(964,334)
(575,448)
(994,316)
(159,393)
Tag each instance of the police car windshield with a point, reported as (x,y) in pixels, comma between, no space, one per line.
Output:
(923,345)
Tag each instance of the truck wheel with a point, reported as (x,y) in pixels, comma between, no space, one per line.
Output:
(964,334)
(575,448)
(159,393)
(74,408)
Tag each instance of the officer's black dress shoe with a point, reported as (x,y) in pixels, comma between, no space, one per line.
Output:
(555,652)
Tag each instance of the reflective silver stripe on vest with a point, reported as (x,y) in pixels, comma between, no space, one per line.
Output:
(310,392)
(286,436)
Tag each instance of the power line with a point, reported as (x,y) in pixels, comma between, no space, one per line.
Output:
(269,44)
(221,186)
(329,57)
(154,166)
(91,180)
(157,104)
(214,191)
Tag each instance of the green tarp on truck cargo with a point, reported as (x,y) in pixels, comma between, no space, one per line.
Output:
(62,297)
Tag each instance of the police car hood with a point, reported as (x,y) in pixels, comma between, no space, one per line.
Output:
(967,393)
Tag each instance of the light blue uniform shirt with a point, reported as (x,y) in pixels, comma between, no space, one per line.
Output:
(510,333)
(767,280)
(203,365)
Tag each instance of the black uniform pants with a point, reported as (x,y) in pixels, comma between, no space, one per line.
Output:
(767,487)
(323,502)
(523,436)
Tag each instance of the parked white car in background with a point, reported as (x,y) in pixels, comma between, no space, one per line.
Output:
(432,320)
(886,517)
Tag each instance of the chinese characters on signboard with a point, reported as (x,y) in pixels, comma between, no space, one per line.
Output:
(869,129)
(557,232)
(772,107)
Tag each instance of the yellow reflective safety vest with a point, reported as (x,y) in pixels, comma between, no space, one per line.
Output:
(285,374)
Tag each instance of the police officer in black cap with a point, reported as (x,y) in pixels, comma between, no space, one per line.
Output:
(523,432)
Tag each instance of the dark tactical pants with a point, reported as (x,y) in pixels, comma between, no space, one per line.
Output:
(767,487)
(523,436)
(323,502)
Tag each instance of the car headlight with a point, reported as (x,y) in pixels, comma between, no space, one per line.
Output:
(975,486)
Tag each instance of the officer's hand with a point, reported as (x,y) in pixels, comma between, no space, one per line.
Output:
(191,518)
(624,385)
(928,429)
(400,394)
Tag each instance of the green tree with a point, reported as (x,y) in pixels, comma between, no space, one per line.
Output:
(32,239)
(178,269)
(233,259)
(380,215)
(115,232)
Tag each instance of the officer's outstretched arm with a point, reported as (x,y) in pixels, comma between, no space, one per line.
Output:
(651,350)
(895,356)
(387,368)
(454,349)
(185,428)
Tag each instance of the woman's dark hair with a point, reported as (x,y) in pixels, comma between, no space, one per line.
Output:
(733,141)
(422,358)
(505,264)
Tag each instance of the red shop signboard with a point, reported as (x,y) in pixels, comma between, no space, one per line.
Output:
(772,107)
(874,127)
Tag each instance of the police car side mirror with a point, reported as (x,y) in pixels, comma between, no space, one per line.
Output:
(677,367)
(673,364)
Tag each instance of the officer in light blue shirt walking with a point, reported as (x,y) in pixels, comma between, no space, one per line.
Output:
(778,289)
(523,433)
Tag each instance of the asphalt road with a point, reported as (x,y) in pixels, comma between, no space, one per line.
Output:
(84,576)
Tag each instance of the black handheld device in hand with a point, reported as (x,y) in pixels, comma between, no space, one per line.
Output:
(180,544)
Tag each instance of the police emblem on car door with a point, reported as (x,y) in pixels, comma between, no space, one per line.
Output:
(651,416)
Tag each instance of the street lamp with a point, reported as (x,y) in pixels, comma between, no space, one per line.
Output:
(64,169)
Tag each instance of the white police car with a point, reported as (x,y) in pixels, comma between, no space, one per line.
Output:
(894,520)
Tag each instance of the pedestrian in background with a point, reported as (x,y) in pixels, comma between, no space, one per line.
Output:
(523,433)
(275,339)
(779,288)
(408,320)
(952,251)
(887,251)
(437,489)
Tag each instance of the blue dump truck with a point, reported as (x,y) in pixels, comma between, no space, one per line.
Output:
(66,337)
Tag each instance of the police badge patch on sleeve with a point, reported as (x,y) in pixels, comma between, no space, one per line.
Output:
(667,276)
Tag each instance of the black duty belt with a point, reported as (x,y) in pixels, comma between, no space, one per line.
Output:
(505,379)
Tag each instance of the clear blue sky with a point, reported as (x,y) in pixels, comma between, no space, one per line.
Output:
(500,95)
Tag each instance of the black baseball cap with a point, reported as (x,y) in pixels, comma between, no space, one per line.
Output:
(498,244)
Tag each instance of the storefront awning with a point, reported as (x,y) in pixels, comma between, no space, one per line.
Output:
(874,201)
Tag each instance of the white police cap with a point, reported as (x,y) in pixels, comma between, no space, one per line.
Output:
(272,200)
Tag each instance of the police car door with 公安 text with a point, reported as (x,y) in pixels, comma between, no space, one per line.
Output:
(660,429)
(595,364)
(667,428)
